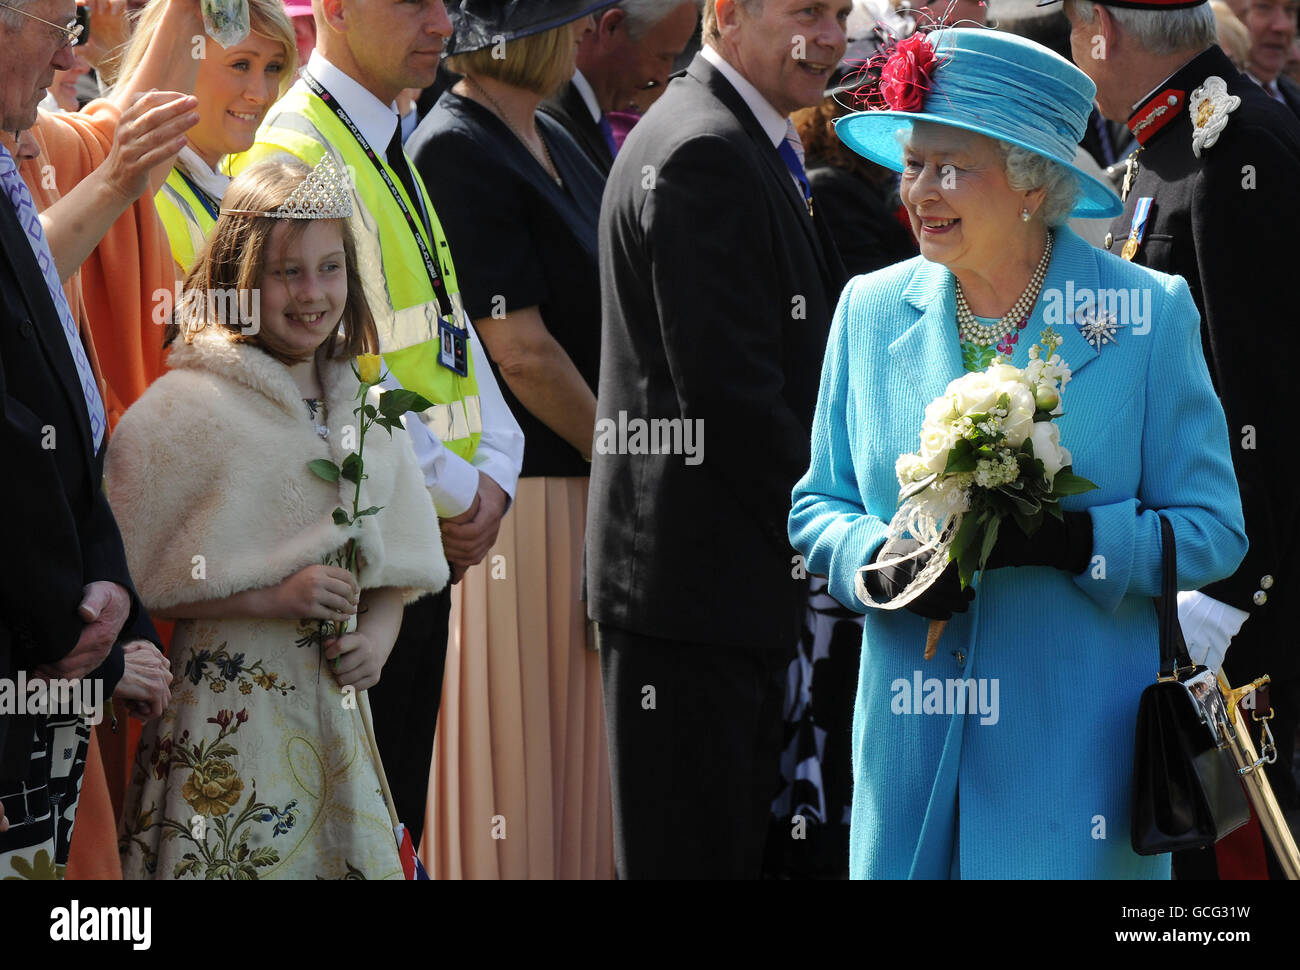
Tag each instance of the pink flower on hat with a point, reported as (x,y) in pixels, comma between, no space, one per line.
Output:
(905,78)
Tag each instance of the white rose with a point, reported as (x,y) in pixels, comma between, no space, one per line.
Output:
(974,392)
(909,468)
(936,439)
(1047,448)
(1020,415)
(940,410)
(1003,373)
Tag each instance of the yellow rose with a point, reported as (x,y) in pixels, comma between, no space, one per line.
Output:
(213,788)
(368,367)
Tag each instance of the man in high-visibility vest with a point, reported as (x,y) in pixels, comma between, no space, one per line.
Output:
(469,446)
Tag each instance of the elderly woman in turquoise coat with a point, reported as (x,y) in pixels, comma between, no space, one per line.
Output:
(1031,777)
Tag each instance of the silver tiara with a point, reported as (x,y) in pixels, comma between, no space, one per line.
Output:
(323,194)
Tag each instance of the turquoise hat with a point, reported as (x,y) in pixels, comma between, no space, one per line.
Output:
(993,83)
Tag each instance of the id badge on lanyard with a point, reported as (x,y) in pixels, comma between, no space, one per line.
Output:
(453,339)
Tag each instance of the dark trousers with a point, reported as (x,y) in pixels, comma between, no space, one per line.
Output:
(405,705)
(694,749)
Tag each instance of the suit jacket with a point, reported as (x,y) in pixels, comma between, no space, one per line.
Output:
(1290,92)
(60,533)
(570,110)
(1226,222)
(717,290)
(1141,420)
(859,216)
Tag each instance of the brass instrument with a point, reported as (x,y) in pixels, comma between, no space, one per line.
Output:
(1250,767)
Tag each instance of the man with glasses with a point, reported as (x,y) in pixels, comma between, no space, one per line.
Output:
(65,593)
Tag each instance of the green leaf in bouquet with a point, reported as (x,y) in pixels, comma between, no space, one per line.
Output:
(1021,504)
(965,537)
(1043,416)
(370,411)
(341,517)
(1031,522)
(1068,483)
(373,510)
(395,403)
(353,468)
(1003,403)
(961,458)
(324,468)
(1053,508)
(990,540)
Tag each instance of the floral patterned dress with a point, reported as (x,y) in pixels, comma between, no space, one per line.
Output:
(262,766)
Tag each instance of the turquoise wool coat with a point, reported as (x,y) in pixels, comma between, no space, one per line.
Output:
(1038,786)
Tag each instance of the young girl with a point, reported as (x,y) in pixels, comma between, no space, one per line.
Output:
(262,765)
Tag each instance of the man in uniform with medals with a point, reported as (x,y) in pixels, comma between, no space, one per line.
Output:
(469,446)
(1210,194)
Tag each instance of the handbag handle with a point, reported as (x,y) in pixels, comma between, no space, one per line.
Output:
(1173,648)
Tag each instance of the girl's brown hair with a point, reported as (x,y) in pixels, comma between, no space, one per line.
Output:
(234,260)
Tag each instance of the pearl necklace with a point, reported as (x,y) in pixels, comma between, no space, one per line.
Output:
(548,165)
(972,331)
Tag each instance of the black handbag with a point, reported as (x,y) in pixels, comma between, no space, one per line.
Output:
(1186,789)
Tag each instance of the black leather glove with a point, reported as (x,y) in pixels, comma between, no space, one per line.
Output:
(944,597)
(1060,544)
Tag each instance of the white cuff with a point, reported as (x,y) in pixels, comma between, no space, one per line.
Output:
(1208,626)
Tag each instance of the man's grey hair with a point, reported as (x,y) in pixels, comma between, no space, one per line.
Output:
(644,14)
(1159,32)
(1028,170)
(12,18)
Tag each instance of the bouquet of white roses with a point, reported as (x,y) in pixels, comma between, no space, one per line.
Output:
(990,451)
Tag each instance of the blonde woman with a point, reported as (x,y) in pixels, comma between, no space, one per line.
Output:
(236,86)
(520,748)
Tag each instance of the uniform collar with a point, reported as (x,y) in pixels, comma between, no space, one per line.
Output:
(1168,100)
(375,120)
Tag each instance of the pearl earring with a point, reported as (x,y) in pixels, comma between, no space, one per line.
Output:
(1024,215)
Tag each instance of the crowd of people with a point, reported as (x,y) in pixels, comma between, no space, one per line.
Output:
(465,437)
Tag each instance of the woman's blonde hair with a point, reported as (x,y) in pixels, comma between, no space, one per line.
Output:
(265,17)
(234,258)
(540,63)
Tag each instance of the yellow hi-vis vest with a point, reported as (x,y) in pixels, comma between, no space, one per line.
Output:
(401,296)
(186,219)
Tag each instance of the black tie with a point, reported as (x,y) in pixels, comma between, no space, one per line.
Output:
(397,161)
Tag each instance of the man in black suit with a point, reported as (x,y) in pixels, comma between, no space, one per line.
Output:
(718,284)
(67,599)
(1272,27)
(631,51)
(1211,196)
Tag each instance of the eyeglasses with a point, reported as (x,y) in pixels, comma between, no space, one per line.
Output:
(72,32)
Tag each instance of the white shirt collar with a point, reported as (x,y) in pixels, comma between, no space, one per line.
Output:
(588,95)
(771,120)
(373,118)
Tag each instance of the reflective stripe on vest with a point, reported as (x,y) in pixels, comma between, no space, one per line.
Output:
(183,216)
(397,286)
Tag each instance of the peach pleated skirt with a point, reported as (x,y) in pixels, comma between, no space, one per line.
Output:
(519,787)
